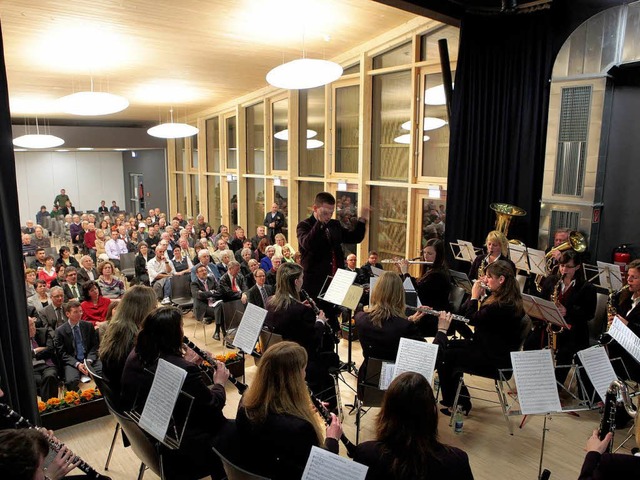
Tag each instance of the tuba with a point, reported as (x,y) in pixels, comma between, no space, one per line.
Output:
(617,396)
(504,215)
(577,242)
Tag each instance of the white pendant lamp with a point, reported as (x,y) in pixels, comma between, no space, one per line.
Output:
(284,134)
(304,73)
(172,129)
(93,103)
(405,139)
(429,123)
(38,140)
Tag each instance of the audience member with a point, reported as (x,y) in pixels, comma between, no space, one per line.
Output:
(265,262)
(372,261)
(52,316)
(238,240)
(28,248)
(65,257)
(48,272)
(87,272)
(182,263)
(160,271)
(41,298)
(232,284)
(260,292)
(39,238)
(259,236)
(276,261)
(115,247)
(206,295)
(43,361)
(60,276)
(114,208)
(38,262)
(42,214)
(61,199)
(71,287)
(204,258)
(29,228)
(94,306)
(275,222)
(110,286)
(30,276)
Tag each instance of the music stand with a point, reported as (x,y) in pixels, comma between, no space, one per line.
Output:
(466,251)
(518,255)
(604,275)
(548,312)
(461,280)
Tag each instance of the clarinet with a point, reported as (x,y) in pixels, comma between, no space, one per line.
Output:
(326,416)
(20,422)
(202,354)
(305,296)
(617,397)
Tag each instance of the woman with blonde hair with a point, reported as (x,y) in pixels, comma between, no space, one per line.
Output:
(281,241)
(276,417)
(497,247)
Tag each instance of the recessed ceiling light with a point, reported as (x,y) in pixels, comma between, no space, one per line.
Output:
(284,134)
(429,123)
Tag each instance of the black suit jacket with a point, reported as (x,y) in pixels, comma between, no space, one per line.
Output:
(49,318)
(297,324)
(66,346)
(44,338)
(83,277)
(67,292)
(279,221)
(319,244)
(225,287)
(615,349)
(609,465)
(253,295)
(383,342)
(366,269)
(201,296)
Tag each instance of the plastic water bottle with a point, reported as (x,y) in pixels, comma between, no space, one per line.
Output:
(458,423)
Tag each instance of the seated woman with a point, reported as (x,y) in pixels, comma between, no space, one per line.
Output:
(497,322)
(599,465)
(41,298)
(161,337)
(66,258)
(296,321)
(433,286)
(207,240)
(95,306)
(406,445)
(119,336)
(287,255)
(259,252)
(132,244)
(181,262)
(385,323)
(48,272)
(30,277)
(101,253)
(143,256)
(60,276)
(110,286)
(281,241)
(497,247)
(276,420)
(265,262)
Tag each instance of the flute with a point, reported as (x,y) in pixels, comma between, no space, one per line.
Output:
(410,262)
(326,416)
(205,356)
(21,422)
(436,313)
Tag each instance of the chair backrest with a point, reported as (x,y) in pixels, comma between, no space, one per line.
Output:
(525,328)
(234,472)
(53,251)
(369,391)
(181,286)
(456,297)
(127,260)
(599,321)
(101,383)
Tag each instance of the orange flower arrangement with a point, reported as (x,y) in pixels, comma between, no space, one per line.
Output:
(227,358)
(70,399)
(41,406)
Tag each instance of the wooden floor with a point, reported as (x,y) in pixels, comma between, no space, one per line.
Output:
(494,454)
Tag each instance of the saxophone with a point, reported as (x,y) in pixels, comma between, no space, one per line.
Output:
(482,267)
(553,334)
(612,300)
(617,395)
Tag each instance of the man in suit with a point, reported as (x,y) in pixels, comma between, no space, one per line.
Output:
(204,258)
(259,293)
(206,295)
(87,271)
(361,277)
(43,361)
(372,261)
(52,316)
(38,262)
(76,341)
(274,221)
(260,234)
(271,274)
(239,240)
(71,288)
(103,207)
(232,284)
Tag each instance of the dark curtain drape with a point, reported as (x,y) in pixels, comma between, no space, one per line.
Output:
(16,373)
(499,123)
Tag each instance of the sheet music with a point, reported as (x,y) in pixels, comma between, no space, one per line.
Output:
(249,328)
(537,262)
(407,284)
(162,398)
(462,280)
(518,255)
(598,367)
(542,309)
(386,375)
(372,284)
(353,296)
(376,271)
(530,307)
(625,337)
(610,276)
(416,356)
(324,465)
(536,381)
(339,286)
(467,250)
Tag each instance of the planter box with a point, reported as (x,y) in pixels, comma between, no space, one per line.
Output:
(237,368)
(73,415)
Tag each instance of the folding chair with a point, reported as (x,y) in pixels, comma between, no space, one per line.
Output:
(369,393)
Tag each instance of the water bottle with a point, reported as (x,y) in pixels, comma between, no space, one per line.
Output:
(457,421)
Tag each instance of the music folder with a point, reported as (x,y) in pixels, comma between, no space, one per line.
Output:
(544,310)
(518,255)
(610,276)
(341,290)
(466,251)
(537,262)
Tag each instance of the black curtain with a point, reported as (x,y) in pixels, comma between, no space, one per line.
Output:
(499,123)
(16,373)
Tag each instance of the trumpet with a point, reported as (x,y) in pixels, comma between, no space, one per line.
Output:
(436,313)
(205,356)
(397,261)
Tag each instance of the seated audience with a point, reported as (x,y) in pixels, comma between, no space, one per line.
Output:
(259,293)
(266,263)
(43,361)
(372,261)
(160,270)
(28,248)
(42,214)
(30,277)
(110,286)
(29,228)
(39,238)
(52,316)
(276,261)
(60,275)
(206,294)
(41,298)
(71,287)
(38,262)
(115,247)
(87,272)
(204,258)
(233,285)
(181,262)
(281,241)
(143,256)
(95,306)
(287,255)
(101,252)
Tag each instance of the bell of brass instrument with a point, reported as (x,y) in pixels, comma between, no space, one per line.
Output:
(617,397)
(504,215)
(577,242)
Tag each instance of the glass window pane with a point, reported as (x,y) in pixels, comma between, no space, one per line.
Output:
(280,116)
(306,195)
(232,147)
(194,152)
(391,109)
(429,50)
(181,192)
(433,217)
(352,69)
(435,135)
(233,205)
(213,195)
(255,138)
(195,194)
(312,122)
(388,230)
(255,204)
(347,213)
(182,164)
(280,195)
(346,121)
(213,145)
(400,55)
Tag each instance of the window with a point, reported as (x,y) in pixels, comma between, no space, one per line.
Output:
(255,138)
(312,132)
(231,142)
(347,129)
(212,127)
(280,119)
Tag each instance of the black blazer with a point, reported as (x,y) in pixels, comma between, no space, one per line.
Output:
(297,324)
(609,465)
(201,296)
(83,277)
(366,270)
(615,349)
(225,287)
(319,244)
(68,295)
(253,295)
(66,346)
(279,221)
(44,338)
(383,342)
(451,463)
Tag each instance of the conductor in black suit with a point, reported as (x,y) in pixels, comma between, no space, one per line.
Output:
(76,341)
(260,292)
(206,292)
(274,221)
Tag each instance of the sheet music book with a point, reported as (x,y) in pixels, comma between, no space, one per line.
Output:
(518,255)
(467,251)
(339,286)
(625,337)
(249,328)
(598,367)
(162,398)
(536,381)
(416,356)
(376,271)
(610,276)
(537,262)
(386,375)
(324,465)
(543,310)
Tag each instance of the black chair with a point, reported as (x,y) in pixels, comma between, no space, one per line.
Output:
(181,292)
(598,323)
(128,265)
(233,471)
(265,340)
(456,298)
(369,393)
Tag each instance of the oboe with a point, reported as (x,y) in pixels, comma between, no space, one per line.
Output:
(326,416)
(436,313)
(202,354)
(20,422)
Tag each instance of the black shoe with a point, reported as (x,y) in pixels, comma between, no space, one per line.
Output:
(465,410)
(216,336)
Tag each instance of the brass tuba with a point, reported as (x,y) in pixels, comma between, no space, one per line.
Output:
(504,214)
(576,241)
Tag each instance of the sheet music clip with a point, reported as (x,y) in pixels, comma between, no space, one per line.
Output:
(461,280)
(465,251)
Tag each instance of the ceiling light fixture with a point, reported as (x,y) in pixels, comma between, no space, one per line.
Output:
(93,103)
(405,139)
(284,134)
(304,73)
(313,143)
(172,129)
(429,123)
(38,140)
(435,95)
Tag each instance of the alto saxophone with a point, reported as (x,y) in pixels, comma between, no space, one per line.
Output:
(555,296)
(612,300)
(617,395)
(482,267)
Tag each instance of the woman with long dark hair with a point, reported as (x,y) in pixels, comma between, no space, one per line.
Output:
(497,322)
(406,445)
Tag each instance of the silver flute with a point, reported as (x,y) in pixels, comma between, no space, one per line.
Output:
(436,313)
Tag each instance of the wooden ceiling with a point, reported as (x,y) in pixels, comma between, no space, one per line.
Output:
(190,55)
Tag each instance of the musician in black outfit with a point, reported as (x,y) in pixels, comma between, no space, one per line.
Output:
(497,324)
(275,420)
(497,247)
(161,337)
(599,465)
(406,445)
